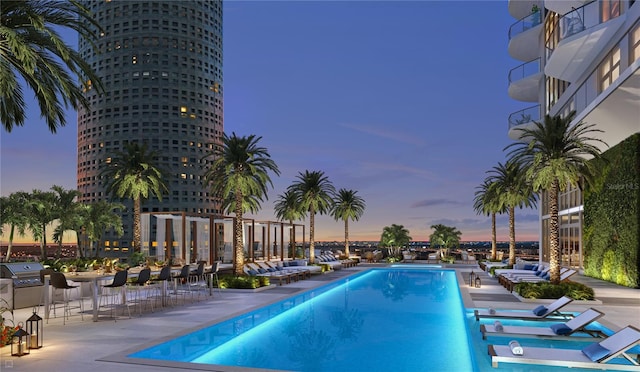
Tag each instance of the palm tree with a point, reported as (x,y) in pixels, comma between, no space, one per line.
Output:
(347,205)
(40,211)
(286,208)
(133,174)
(484,202)
(509,185)
(554,155)
(239,176)
(32,50)
(314,193)
(13,214)
(98,218)
(394,237)
(445,236)
(66,210)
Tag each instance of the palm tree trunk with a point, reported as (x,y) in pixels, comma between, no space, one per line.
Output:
(43,242)
(494,239)
(238,249)
(10,246)
(346,237)
(512,235)
(312,245)
(137,235)
(554,236)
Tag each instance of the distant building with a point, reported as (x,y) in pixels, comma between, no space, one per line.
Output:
(161,66)
(577,55)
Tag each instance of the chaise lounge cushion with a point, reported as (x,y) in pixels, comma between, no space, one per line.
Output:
(560,329)
(540,310)
(595,351)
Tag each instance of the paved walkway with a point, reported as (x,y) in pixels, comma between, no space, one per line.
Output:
(84,345)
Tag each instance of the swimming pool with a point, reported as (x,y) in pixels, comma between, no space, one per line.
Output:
(381,319)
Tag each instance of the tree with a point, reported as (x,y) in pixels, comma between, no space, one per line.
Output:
(485,202)
(133,174)
(40,211)
(394,237)
(554,155)
(314,193)
(347,205)
(98,218)
(12,213)
(239,176)
(445,236)
(66,210)
(510,186)
(32,50)
(286,208)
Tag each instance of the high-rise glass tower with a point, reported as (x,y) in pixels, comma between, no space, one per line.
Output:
(160,63)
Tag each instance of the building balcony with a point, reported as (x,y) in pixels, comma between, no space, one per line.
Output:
(524,81)
(582,34)
(523,119)
(522,8)
(564,6)
(525,37)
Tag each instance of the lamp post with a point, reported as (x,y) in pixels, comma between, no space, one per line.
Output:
(35,328)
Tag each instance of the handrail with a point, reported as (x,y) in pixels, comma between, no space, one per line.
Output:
(524,116)
(526,23)
(526,69)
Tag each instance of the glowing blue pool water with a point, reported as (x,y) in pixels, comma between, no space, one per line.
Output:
(381,320)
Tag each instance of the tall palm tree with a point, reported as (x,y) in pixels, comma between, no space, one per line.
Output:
(287,208)
(12,213)
(40,212)
(347,205)
(133,174)
(239,176)
(66,209)
(33,51)
(509,184)
(555,156)
(485,202)
(394,237)
(315,194)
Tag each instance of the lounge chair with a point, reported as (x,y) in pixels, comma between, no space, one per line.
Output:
(254,270)
(564,275)
(573,327)
(597,355)
(541,312)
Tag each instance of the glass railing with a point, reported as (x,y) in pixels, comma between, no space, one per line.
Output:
(524,70)
(524,116)
(526,23)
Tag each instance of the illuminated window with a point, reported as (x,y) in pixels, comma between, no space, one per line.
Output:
(609,69)
(134,59)
(108,161)
(634,44)
(183,176)
(183,109)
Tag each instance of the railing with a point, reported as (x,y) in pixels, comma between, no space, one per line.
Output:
(526,23)
(524,116)
(526,69)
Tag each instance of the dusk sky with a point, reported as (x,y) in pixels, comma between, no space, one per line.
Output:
(404,102)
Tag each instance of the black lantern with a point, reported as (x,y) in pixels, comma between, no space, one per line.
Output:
(477,282)
(20,342)
(472,278)
(35,328)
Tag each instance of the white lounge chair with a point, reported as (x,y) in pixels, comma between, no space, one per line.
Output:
(606,354)
(570,329)
(564,275)
(550,311)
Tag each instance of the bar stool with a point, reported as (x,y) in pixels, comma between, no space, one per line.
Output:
(182,287)
(140,290)
(59,282)
(111,292)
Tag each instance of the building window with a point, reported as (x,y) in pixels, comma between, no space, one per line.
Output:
(610,9)
(634,43)
(609,69)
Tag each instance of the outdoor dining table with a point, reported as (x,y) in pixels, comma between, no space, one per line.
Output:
(94,277)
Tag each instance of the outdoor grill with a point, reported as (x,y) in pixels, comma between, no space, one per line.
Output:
(25,287)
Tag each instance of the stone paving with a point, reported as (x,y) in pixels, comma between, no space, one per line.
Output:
(85,345)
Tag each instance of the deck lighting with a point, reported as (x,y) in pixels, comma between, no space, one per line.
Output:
(35,328)
(20,342)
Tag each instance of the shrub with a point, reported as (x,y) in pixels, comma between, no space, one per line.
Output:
(577,291)
(243,282)
(493,269)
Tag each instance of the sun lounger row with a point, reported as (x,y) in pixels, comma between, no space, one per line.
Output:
(603,354)
(509,281)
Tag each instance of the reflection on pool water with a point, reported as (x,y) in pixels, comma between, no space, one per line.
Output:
(382,319)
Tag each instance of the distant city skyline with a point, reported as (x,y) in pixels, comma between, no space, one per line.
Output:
(404,102)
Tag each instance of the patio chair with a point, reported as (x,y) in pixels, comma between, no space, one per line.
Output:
(541,312)
(605,354)
(571,329)
(59,283)
(115,293)
(251,270)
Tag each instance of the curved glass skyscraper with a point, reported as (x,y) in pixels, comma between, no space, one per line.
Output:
(160,63)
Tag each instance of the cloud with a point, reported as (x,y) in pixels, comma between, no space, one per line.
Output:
(393,135)
(434,202)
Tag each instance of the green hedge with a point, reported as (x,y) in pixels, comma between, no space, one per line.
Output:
(537,290)
(611,233)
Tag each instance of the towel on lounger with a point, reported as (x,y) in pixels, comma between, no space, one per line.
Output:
(498,326)
(492,310)
(515,347)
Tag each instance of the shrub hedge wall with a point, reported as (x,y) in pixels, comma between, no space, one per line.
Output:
(611,233)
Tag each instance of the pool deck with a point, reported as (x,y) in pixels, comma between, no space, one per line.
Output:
(83,345)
